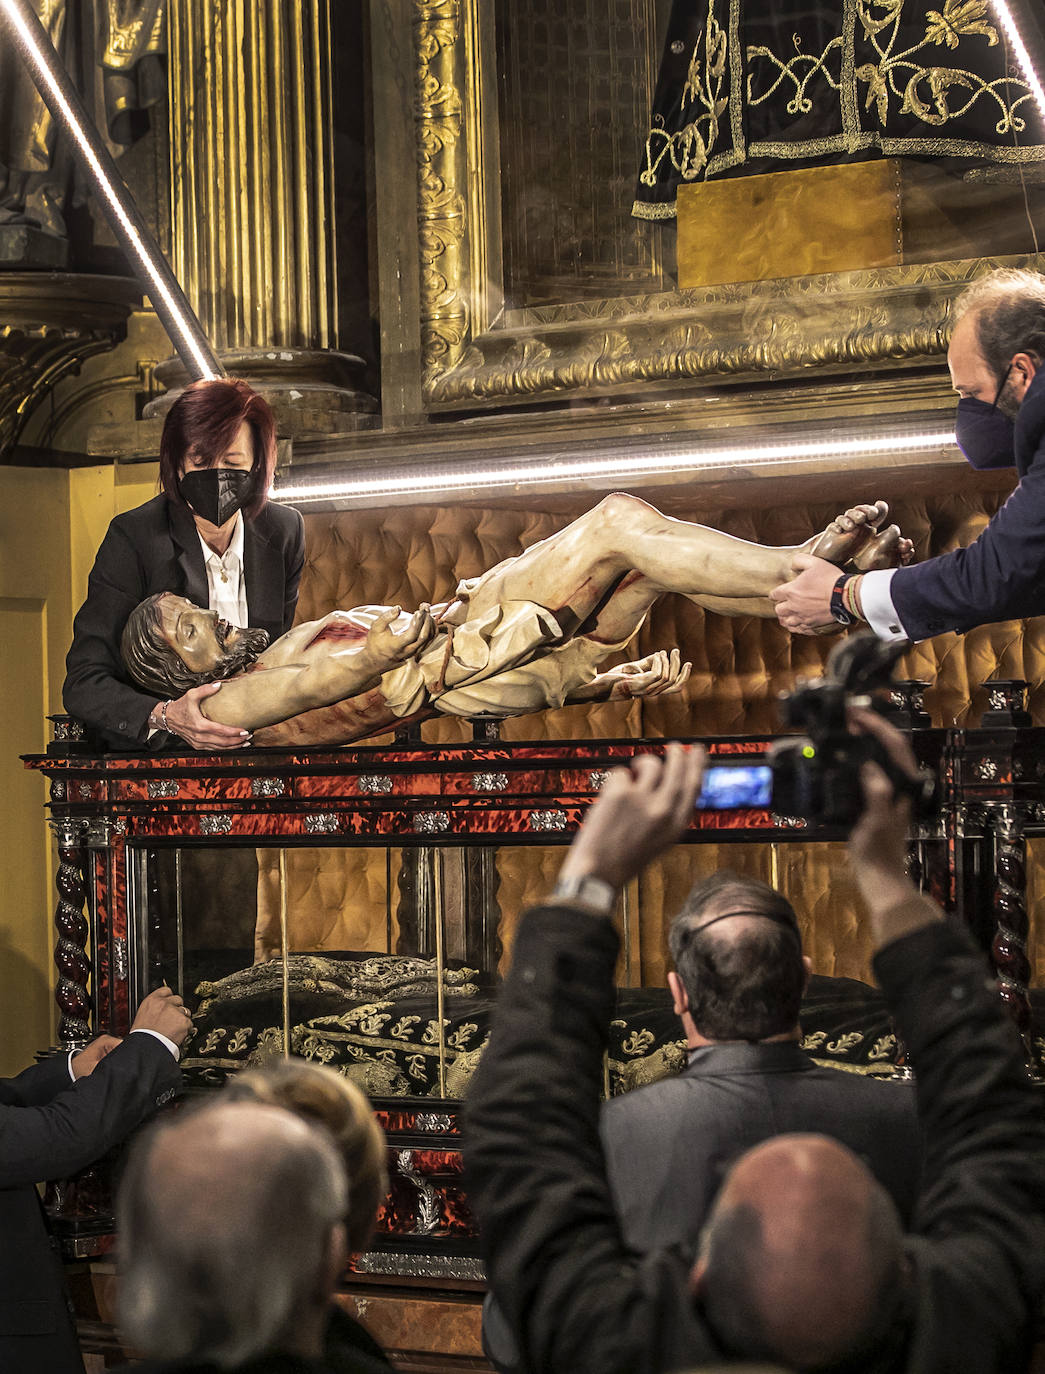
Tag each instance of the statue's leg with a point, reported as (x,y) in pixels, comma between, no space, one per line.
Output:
(574,572)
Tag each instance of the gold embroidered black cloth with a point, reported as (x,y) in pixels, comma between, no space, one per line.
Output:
(750,86)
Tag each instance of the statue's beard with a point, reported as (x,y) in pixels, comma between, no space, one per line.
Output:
(246,647)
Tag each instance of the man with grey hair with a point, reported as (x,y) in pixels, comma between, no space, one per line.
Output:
(737,988)
(232,1239)
(997,363)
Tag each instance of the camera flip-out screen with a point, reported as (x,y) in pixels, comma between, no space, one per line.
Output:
(730,785)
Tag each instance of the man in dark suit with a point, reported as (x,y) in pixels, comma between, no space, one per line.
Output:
(55,1118)
(737,984)
(212,536)
(997,363)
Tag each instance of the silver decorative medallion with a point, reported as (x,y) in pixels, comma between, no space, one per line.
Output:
(432,822)
(215,825)
(489,782)
(553,819)
(85,791)
(322,823)
(119,959)
(432,1121)
(267,787)
(597,777)
(156,788)
(986,769)
(57,790)
(788,822)
(119,825)
(374,783)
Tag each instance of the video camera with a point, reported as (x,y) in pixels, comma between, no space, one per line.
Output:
(817,776)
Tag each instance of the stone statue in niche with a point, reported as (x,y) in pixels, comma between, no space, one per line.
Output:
(115,53)
(529,634)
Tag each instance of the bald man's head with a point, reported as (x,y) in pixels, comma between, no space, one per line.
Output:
(230,1234)
(801,1256)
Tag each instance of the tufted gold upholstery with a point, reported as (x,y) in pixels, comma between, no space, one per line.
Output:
(408,555)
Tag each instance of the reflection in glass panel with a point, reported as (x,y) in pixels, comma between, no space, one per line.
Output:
(389,968)
(784,139)
(377,962)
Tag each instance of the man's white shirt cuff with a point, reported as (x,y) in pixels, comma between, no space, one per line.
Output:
(876,604)
(144,1030)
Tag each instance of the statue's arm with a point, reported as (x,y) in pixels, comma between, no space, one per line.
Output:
(323,672)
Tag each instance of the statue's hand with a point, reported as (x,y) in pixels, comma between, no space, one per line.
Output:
(659,674)
(387,646)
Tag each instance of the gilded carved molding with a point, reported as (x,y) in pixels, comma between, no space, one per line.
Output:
(441,169)
(851,319)
(751,329)
(51,324)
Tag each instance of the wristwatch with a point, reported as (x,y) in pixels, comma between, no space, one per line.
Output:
(595,893)
(837,606)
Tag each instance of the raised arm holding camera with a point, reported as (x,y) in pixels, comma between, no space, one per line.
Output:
(803,1260)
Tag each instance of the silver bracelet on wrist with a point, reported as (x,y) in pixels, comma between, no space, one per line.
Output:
(163,717)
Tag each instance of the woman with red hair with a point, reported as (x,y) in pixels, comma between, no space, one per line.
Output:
(210,535)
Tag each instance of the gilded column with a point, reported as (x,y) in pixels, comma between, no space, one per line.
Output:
(442,173)
(252,193)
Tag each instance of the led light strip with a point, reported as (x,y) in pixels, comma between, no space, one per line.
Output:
(423,482)
(61,98)
(1008,23)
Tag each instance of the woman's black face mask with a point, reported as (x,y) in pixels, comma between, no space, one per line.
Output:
(216,494)
(985,435)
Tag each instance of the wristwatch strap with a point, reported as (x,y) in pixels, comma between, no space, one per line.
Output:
(595,893)
(837,604)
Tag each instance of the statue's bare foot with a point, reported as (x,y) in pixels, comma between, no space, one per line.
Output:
(887,549)
(849,533)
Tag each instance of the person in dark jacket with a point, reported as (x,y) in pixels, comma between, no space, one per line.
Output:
(803,1260)
(56,1118)
(211,535)
(997,363)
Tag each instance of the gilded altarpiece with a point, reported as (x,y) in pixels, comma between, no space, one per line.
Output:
(492,334)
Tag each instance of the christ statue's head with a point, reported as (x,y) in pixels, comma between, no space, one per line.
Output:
(170,645)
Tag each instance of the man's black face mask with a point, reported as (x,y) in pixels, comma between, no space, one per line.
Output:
(984,433)
(216,494)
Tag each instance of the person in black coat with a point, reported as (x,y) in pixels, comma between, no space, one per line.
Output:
(803,1260)
(210,535)
(997,363)
(55,1118)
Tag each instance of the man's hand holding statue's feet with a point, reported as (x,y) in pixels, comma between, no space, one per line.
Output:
(857,541)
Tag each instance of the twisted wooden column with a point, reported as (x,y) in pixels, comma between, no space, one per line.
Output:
(70,953)
(1009,945)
